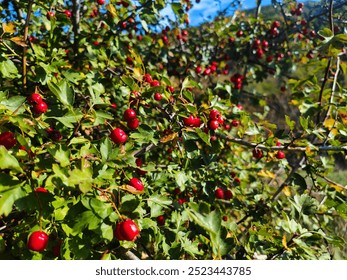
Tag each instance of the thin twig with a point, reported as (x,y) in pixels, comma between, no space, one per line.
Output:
(25,49)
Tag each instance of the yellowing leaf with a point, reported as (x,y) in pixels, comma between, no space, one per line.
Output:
(266,174)
(337,188)
(286,191)
(130,189)
(112,10)
(168,138)
(284,243)
(9,27)
(329,123)
(19,41)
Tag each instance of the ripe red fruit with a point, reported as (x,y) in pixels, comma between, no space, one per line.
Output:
(7,139)
(40,108)
(225,218)
(265,44)
(214,114)
(219,193)
(118,136)
(239,33)
(207,71)
(54,134)
(34,98)
(280,155)
(38,241)
(257,153)
(276,24)
(68,13)
(101,2)
(161,220)
(157,96)
(127,230)
(50,15)
(133,123)
(129,114)
(235,123)
(147,78)
(155,83)
(228,194)
(137,184)
(213,124)
(170,89)
(41,189)
(192,121)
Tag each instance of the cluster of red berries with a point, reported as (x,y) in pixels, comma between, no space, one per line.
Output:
(192,121)
(237,79)
(298,10)
(38,106)
(131,118)
(260,47)
(220,193)
(215,119)
(274,31)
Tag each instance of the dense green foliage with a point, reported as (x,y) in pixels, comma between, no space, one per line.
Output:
(250,181)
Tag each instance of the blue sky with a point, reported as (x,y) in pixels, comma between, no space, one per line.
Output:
(207,9)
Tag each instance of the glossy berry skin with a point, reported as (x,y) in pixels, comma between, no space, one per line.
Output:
(214,114)
(101,2)
(40,108)
(129,114)
(219,193)
(161,220)
(280,155)
(133,123)
(127,230)
(68,13)
(8,140)
(38,241)
(157,96)
(137,184)
(155,83)
(34,98)
(118,136)
(54,134)
(257,153)
(192,121)
(213,124)
(235,123)
(50,15)
(41,189)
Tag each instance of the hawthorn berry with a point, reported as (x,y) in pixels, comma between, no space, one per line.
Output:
(235,123)
(34,98)
(8,140)
(161,220)
(157,96)
(41,189)
(257,153)
(118,136)
(126,230)
(37,241)
(68,13)
(40,108)
(137,184)
(219,193)
(213,124)
(129,114)
(280,155)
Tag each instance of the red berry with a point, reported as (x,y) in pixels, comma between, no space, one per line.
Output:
(198,70)
(192,121)
(161,220)
(225,218)
(265,44)
(7,139)
(127,230)
(129,114)
(219,193)
(214,114)
(137,184)
(257,153)
(118,136)
(213,124)
(68,13)
(101,2)
(34,98)
(38,241)
(147,78)
(41,189)
(157,96)
(235,123)
(50,15)
(239,33)
(40,108)
(170,89)
(276,24)
(155,83)
(228,194)
(280,155)
(207,71)
(54,134)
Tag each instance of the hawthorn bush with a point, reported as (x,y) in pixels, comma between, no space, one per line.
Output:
(123,137)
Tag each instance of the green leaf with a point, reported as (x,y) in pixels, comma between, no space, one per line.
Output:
(290,123)
(60,154)
(69,119)
(100,208)
(63,92)
(7,161)
(107,231)
(203,136)
(14,103)
(105,149)
(144,25)
(83,178)
(157,203)
(8,69)
(85,220)
(9,197)
(181,178)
